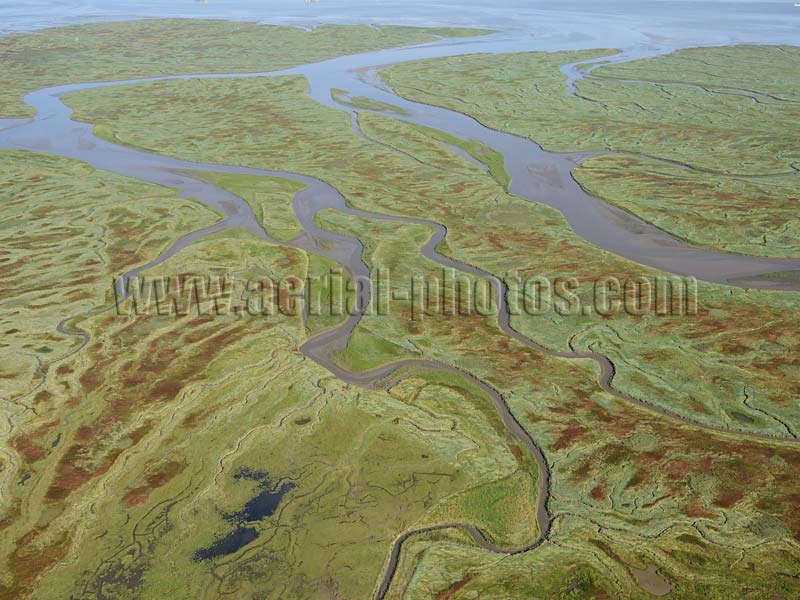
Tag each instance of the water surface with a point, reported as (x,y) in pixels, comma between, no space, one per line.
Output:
(599,23)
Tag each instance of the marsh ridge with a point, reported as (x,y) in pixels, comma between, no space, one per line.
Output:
(536,175)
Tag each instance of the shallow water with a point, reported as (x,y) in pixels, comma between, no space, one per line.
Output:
(228,544)
(651,582)
(618,23)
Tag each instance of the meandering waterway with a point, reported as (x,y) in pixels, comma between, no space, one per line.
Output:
(537,176)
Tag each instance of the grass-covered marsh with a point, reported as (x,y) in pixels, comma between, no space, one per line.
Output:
(133,49)
(686,107)
(708,366)
(102,509)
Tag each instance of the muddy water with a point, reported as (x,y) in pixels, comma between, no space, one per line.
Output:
(547,177)
(537,175)
(651,582)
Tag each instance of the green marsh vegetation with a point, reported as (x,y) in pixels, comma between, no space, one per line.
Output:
(226,395)
(716,514)
(417,136)
(729,137)
(342,97)
(754,216)
(96,52)
(733,357)
(628,488)
(86,460)
(68,230)
(270,199)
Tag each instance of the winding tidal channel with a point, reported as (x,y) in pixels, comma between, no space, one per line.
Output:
(536,175)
